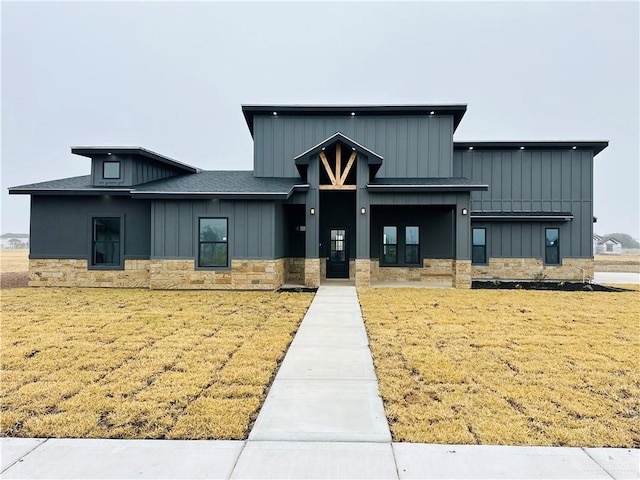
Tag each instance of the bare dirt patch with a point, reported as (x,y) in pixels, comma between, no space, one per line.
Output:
(105,363)
(13,280)
(508,367)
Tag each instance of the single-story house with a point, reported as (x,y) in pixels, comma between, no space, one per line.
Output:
(14,240)
(610,246)
(367,193)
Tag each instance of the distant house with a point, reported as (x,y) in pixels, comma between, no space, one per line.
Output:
(610,246)
(596,241)
(370,193)
(14,240)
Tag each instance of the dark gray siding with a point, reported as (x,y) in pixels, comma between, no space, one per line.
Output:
(133,171)
(412,146)
(523,239)
(174,225)
(534,181)
(61,226)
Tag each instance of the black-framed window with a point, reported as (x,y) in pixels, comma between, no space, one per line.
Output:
(389,244)
(552,246)
(412,244)
(111,170)
(479,245)
(213,244)
(106,241)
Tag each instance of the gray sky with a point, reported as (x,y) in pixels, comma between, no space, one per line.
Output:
(172,77)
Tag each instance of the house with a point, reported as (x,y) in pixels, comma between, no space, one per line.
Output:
(367,193)
(597,239)
(14,240)
(610,246)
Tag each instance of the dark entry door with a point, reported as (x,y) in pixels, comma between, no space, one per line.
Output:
(338,260)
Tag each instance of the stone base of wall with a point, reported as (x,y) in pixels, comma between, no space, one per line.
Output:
(433,270)
(312,272)
(243,275)
(576,269)
(362,272)
(462,274)
(74,273)
(294,270)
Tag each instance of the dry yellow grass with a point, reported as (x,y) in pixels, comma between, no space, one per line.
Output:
(140,364)
(507,367)
(617,263)
(14,260)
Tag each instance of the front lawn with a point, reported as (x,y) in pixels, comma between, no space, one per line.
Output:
(105,363)
(507,367)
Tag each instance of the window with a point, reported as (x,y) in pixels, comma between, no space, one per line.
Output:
(412,245)
(479,245)
(213,244)
(552,246)
(609,247)
(111,170)
(389,245)
(105,241)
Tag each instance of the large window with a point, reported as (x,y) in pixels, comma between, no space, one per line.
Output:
(389,245)
(111,170)
(213,244)
(105,241)
(479,245)
(552,246)
(412,245)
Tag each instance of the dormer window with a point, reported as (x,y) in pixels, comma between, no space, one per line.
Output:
(111,170)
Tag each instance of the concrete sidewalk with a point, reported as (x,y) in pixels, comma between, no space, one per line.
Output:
(322,418)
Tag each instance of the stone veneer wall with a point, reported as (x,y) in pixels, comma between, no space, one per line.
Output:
(294,270)
(462,274)
(363,272)
(243,275)
(433,270)
(529,268)
(312,272)
(74,273)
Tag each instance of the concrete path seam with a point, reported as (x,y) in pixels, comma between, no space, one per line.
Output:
(18,460)
(596,462)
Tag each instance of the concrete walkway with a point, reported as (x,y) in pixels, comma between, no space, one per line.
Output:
(322,418)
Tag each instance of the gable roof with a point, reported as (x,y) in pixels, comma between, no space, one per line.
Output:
(457,110)
(135,151)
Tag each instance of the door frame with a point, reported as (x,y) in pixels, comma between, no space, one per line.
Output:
(346,250)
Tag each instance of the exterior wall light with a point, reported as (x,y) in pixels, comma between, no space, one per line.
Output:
(470,148)
(521,148)
(574,147)
(363,210)
(353,114)
(312,211)
(465,211)
(432,113)
(275,114)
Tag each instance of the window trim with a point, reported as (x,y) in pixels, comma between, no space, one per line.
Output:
(382,254)
(486,258)
(90,260)
(227,266)
(406,262)
(557,246)
(117,162)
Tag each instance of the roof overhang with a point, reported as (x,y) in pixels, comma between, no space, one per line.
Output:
(596,146)
(220,195)
(92,152)
(455,110)
(70,191)
(522,216)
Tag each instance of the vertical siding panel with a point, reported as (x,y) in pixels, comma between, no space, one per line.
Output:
(430,165)
(403,147)
(423,146)
(413,153)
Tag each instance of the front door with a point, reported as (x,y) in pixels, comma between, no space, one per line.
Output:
(338,259)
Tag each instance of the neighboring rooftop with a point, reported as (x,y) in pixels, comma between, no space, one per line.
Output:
(457,110)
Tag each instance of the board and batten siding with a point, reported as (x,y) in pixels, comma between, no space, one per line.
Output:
(132,171)
(61,226)
(532,181)
(174,227)
(412,146)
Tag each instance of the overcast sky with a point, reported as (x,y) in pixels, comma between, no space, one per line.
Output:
(172,77)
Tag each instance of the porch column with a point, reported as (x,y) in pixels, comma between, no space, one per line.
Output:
(363,225)
(312,234)
(462,261)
